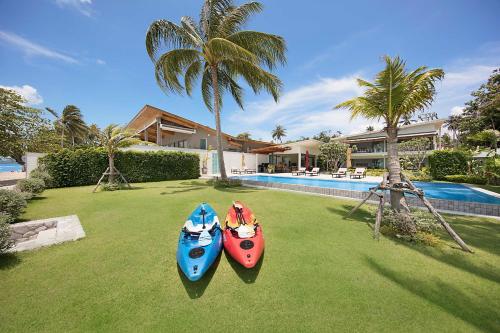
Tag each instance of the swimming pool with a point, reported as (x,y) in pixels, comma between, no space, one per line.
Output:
(8,167)
(448,191)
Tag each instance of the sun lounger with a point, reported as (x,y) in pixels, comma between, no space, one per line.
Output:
(249,171)
(341,172)
(313,172)
(358,173)
(300,171)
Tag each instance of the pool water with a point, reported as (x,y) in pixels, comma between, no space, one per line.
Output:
(8,167)
(448,191)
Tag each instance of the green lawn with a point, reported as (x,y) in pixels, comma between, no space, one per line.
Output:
(492,188)
(319,272)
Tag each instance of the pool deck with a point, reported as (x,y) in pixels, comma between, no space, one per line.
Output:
(10,178)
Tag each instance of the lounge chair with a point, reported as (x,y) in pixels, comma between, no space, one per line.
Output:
(341,172)
(300,171)
(248,171)
(313,172)
(358,173)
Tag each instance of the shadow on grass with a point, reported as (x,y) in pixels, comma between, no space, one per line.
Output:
(183,190)
(483,235)
(361,215)
(481,313)
(236,189)
(196,289)
(247,275)
(8,261)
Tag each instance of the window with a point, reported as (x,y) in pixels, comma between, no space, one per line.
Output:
(182,144)
(203,143)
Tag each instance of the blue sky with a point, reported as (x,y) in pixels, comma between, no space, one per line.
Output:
(91,53)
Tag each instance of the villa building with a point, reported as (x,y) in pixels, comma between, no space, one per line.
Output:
(369,149)
(170,130)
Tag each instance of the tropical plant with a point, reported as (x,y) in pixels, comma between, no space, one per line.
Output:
(12,204)
(395,93)
(278,133)
(218,51)
(112,138)
(334,153)
(71,122)
(5,241)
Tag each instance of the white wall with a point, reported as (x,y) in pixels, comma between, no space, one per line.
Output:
(31,160)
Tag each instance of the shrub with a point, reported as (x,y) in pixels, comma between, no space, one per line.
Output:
(110,186)
(5,241)
(422,176)
(492,170)
(41,173)
(11,204)
(419,226)
(447,162)
(85,166)
(31,185)
(471,179)
(376,172)
(219,183)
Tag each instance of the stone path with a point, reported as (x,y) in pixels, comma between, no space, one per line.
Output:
(34,234)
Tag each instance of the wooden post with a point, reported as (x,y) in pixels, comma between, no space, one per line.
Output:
(378,220)
(100,179)
(158,131)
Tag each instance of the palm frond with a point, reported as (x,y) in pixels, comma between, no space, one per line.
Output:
(236,17)
(172,64)
(269,49)
(221,49)
(167,34)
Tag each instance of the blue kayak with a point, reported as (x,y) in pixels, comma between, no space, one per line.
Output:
(200,242)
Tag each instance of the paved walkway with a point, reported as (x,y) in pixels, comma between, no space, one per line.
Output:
(10,178)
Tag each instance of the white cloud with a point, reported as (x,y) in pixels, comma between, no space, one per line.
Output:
(33,49)
(100,62)
(457,110)
(29,93)
(82,6)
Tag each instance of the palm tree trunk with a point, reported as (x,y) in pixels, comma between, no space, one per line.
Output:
(397,198)
(111,159)
(222,167)
(62,137)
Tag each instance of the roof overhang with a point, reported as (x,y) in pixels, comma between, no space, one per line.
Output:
(177,129)
(270,150)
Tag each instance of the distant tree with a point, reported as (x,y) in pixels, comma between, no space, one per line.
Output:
(334,153)
(487,138)
(327,135)
(414,152)
(406,120)
(446,140)
(394,94)
(70,122)
(453,124)
(220,52)
(370,128)
(22,128)
(244,136)
(278,133)
(483,111)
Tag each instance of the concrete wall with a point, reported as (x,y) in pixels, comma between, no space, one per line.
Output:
(32,161)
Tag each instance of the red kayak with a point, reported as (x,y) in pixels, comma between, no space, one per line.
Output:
(242,236)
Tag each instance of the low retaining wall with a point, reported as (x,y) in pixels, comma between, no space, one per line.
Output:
(34,234)
(440,204)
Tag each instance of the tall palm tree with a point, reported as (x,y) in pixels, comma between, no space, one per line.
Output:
(244,136)
(278,133)
(395,93)
(112,138)
(218,51)
(453,124)
(70,121)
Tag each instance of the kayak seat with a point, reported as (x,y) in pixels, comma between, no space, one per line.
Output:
(198,227)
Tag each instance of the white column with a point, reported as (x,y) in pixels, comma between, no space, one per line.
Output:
(158,131)
(299,160)
(146,135)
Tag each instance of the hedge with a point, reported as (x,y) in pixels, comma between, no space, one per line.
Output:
(471,179)
(85,166)
(447,162)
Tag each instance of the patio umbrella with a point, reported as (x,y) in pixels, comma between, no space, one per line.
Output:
(307,159)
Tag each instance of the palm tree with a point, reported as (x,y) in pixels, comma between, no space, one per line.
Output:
(112,138)
(70,121)
(218,51)
(278,133)
(406,120)
(395,93)
(453,124)
(370,128)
